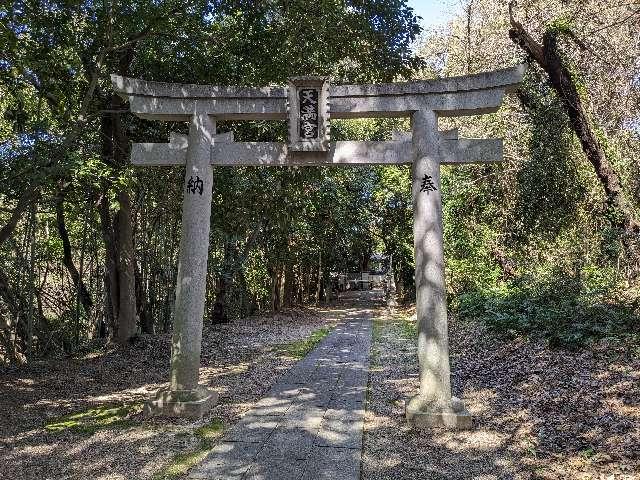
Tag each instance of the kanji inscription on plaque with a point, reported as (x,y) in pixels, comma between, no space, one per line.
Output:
(308,98)
(308,105)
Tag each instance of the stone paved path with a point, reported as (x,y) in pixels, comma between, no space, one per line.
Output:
(309,426)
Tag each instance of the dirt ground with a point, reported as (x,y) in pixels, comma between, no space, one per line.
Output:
(238,361)
(538,413)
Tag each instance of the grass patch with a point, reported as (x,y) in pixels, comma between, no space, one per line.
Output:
(394,325)
(182,462)
(95,419)
(406,325)
(376,332)
(376,335)
(588,453)
(210,431)
(301,348)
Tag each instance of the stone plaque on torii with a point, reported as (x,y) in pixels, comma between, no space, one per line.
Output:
(308,103)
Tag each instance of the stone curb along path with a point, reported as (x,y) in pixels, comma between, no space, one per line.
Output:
(310,424)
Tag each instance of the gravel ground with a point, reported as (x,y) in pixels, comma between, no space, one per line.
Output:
(238,362)
(538,413)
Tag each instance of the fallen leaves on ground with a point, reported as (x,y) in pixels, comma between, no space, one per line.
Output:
(539,413)
(77,397)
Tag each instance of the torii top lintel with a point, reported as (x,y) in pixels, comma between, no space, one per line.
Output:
(453,96)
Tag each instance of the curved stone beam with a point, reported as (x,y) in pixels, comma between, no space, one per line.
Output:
(468,95)
(508,79)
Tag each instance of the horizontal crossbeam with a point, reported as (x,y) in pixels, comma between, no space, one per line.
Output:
(450,151)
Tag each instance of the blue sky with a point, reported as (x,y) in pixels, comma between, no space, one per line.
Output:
(434,12)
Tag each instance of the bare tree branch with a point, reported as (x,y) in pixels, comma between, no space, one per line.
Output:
(548,57)
(25,200)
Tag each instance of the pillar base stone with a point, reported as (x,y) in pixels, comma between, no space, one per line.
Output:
(422,415)
(181,403)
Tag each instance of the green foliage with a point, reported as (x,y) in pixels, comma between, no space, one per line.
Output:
(505,225)
(568,311)
(529,247)
(392,197)
(549,185)
(93,420)
(305,222)
(301,348)
(561,25)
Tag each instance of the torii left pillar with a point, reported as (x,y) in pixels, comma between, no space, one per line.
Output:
(185,397)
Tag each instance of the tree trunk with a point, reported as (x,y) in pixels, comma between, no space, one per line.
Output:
(126,327)
(13,334)
(219,311)
(308,280)
(275,288)
(14,343)
(78,282)
(505,264)
(25,200)
(118,232)
(289,285)
(144,311)
(319,284)
(300,286)
(281,287)
(111,285)
(547,56)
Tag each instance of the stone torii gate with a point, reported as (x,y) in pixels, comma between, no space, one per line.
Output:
(308,103)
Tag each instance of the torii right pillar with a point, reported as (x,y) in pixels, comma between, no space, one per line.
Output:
(434,405)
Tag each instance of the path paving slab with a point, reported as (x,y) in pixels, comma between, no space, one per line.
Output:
(310,423)
(333,464)
(251,428)
(340,433)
